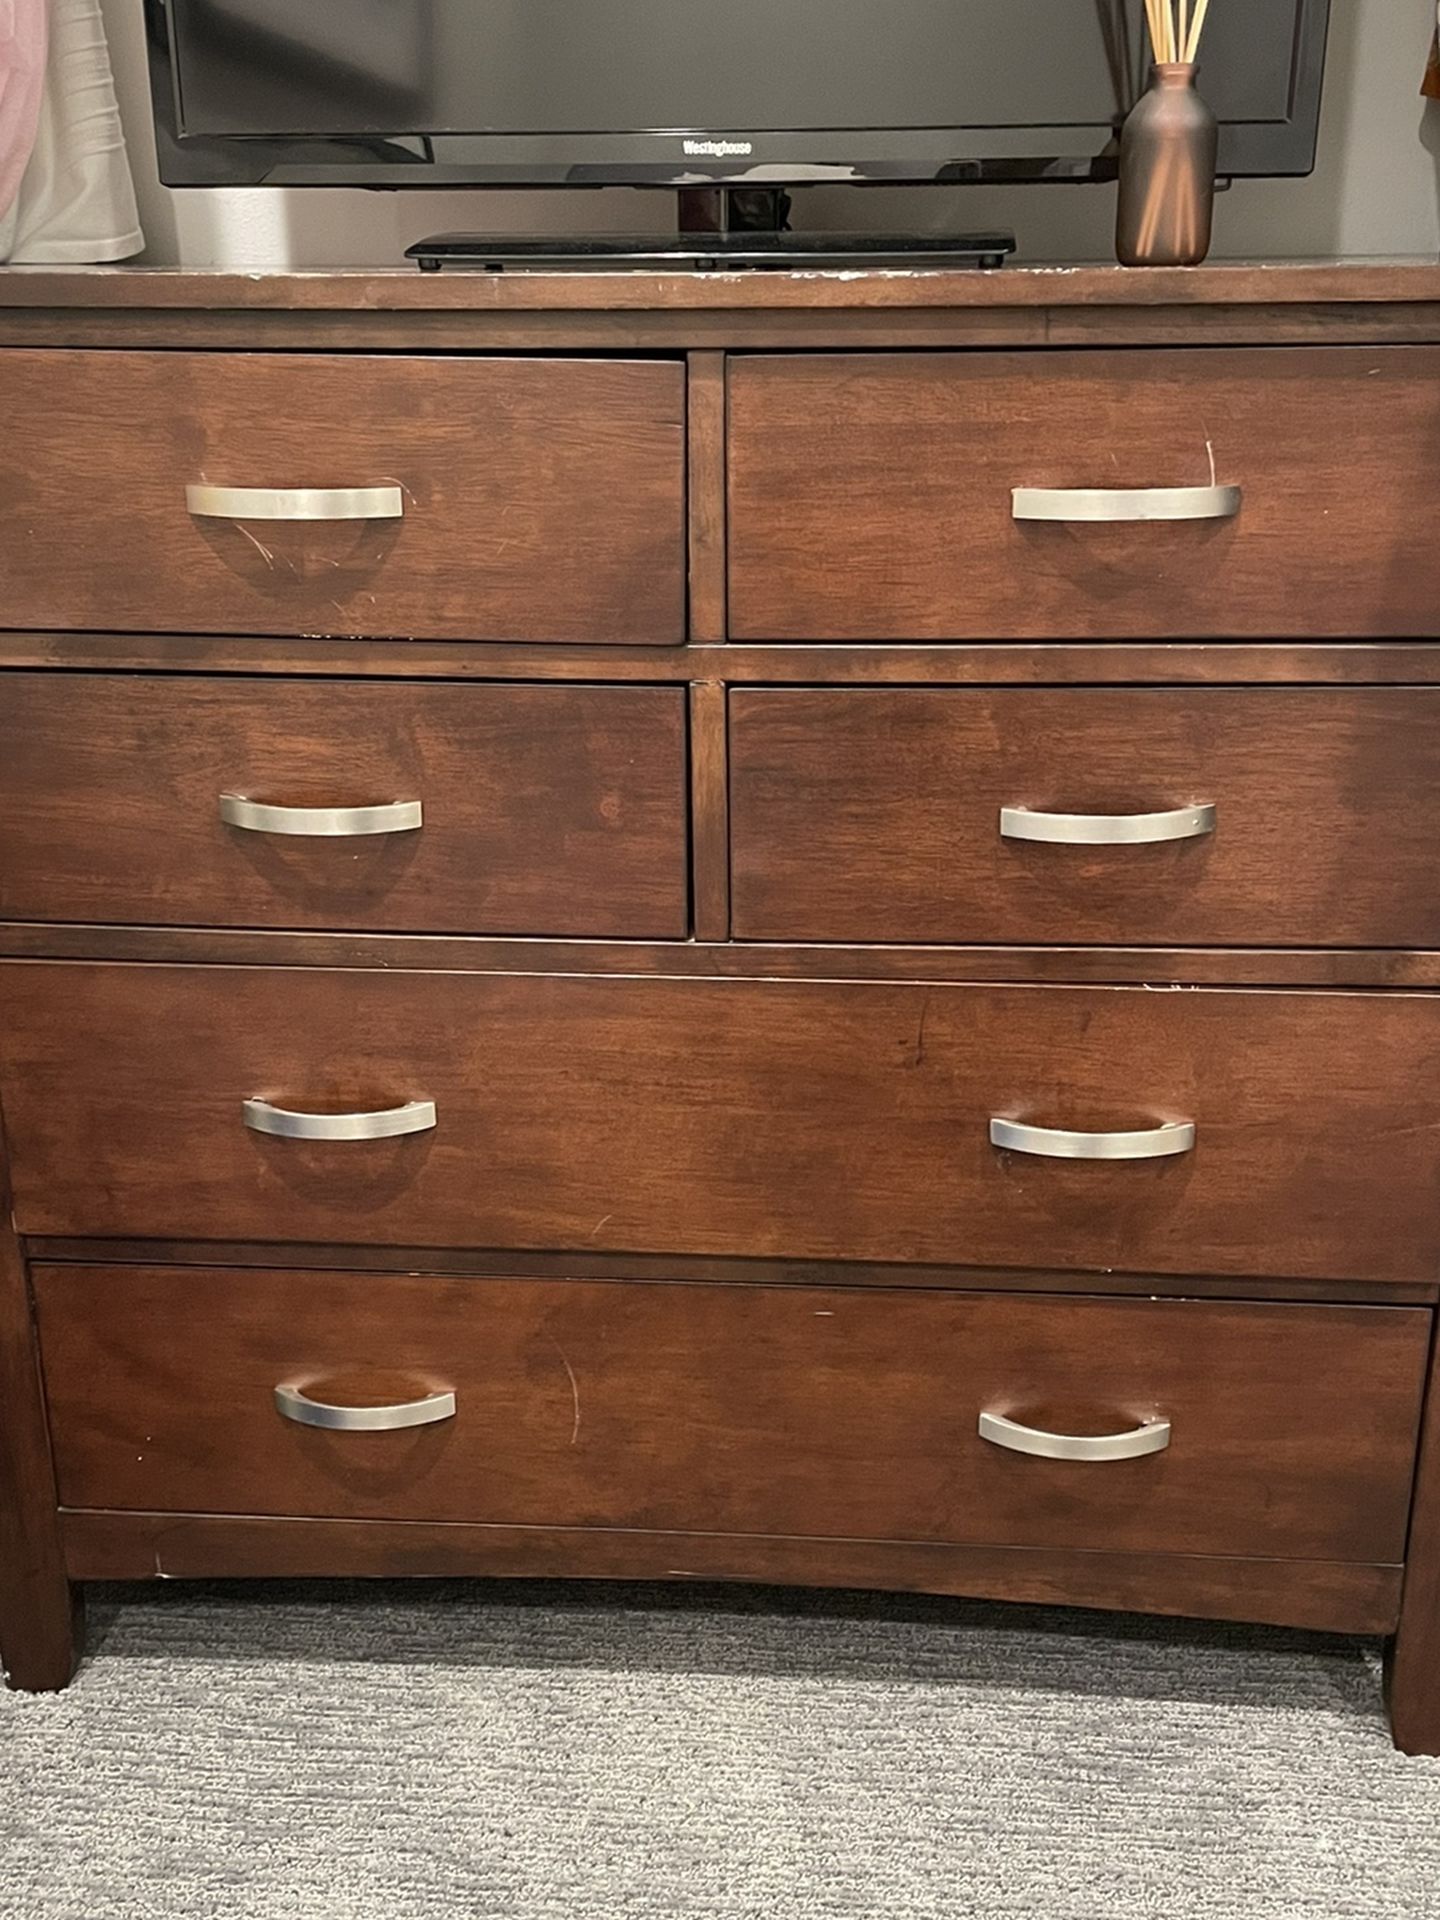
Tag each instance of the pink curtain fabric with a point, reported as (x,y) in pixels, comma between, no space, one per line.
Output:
(22,84)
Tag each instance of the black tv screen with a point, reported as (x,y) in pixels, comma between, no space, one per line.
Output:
(695,92)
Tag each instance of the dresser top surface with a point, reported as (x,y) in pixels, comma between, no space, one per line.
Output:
(360,290)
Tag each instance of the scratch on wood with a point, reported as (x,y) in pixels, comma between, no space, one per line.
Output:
(918,1058)
(259,545)
(574,1387)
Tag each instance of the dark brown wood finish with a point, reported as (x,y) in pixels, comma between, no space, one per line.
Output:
(669,1175)
(482,1263)
(709,960)
(706,416)
(1371,285)
(991,663)
(549,809)
(1324,1595)
(868,814)
(1299,303)
(41,1624)
(711,330)
(760,1118)
(543,500)
(870,496)
(832,1413)
(1413,1659)
(710,804)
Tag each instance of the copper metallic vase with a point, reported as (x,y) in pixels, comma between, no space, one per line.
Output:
(1167,174)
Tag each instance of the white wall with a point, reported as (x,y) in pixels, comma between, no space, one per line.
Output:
(1376,189)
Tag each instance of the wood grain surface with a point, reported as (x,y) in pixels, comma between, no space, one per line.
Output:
(700,959)
(688,1408)
(1413,1663)
(705,500)
(829,1121)
(41,1624)
(732,1270)
(631,331)
(867,814)
(548,810)
(1327,1595)
(710,810)
(870,495)
(399,290)
(544,499)
(710,1237)
(805,664)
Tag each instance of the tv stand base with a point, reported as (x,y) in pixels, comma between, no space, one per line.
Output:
(707,252)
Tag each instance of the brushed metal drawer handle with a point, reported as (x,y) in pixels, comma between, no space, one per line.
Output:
(1153,1437)
(1126,503)
(416,1116)
(1106,829)
(295,503)
(305,1412)
(1056,1143)
(321,823)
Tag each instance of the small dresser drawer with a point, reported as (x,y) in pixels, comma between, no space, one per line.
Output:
(1057,1129)
(366,805)
(1216,817)
(726,1409)
(1254,493)
(372,496)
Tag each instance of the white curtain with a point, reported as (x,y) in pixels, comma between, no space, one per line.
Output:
(76,200)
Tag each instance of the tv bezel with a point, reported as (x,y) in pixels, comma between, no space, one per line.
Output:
(895,157)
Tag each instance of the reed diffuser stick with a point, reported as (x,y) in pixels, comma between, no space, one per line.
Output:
(1157,32)
(1197,27)
(1175,29)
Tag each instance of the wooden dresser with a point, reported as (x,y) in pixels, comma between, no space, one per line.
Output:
(774,928)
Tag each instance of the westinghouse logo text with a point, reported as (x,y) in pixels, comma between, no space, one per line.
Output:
(717,149)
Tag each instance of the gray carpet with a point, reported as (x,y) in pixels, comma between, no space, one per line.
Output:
(289,1752)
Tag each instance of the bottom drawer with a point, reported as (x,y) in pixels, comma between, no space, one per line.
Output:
(841,1413)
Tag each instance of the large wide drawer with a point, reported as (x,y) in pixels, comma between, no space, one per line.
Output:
(1238,817)
(1084,494)
(369,495)
(728,1409)
(500,809)
(842,1121)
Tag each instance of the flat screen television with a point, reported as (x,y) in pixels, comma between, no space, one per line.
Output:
(697,93)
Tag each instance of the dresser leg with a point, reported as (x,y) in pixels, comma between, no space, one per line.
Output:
(1412,1680)
(42,1636)
(40,1627)
(1412,1666)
